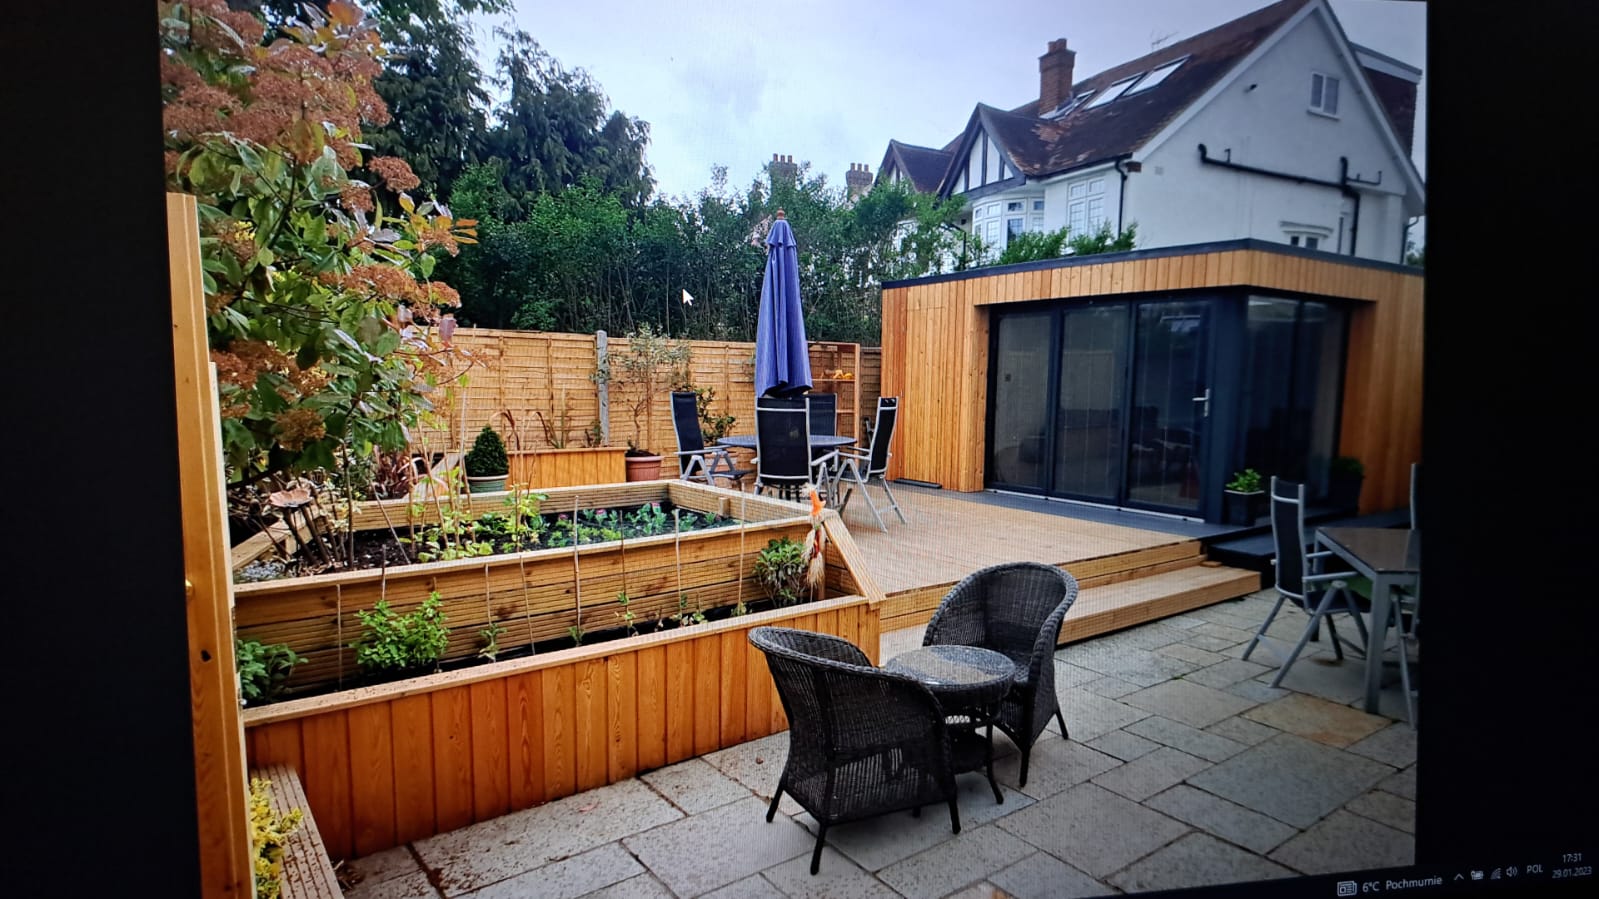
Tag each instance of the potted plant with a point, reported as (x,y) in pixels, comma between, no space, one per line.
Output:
(649,356)
(486,463)
(1241,502)
(1344,477)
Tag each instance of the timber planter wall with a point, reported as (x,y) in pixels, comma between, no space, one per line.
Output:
(398,762)
(389,763)
(569,467)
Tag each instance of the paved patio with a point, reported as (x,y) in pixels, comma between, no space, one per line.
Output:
(1184,769)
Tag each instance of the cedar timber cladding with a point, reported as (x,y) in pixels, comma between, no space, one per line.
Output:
(935,349)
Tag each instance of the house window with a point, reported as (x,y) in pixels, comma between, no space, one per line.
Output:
(1112,92)
(1323,94)
(1311,237)
(1038,205)
(1085,209)
(1013,206)
(1013,227)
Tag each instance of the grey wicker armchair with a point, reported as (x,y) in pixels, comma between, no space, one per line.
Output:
(1016,609)
(861,741)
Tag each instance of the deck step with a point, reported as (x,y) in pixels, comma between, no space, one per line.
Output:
(307,873)
(1100,610)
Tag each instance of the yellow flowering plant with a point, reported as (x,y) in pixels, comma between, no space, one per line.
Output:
(269,833)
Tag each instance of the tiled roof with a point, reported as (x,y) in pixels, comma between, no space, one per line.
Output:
(923,165)
(1041,147)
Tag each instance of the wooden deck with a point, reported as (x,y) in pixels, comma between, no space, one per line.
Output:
(1127,575)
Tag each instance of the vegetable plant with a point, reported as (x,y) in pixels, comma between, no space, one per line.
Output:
(1246,481)
(263,669)
(391,642)
(781,569)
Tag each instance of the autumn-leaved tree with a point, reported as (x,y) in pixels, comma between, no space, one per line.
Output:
(327,331)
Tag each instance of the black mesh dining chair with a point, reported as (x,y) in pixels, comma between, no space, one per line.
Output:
(1320,594)
(783,460)
(824,413)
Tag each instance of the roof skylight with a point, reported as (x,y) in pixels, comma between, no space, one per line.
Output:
(1112,92)
(1156,76)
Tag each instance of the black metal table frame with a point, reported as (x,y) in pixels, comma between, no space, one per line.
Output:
(980,714)
(819,442)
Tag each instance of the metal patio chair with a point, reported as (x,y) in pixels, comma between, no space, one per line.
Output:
(783,461)
(697,461)
(858,468)
(862,741)
(1015,608)
(1321,594)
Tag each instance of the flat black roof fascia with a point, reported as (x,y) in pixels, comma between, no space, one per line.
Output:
(1247,243)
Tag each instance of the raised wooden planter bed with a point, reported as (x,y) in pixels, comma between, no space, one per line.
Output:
(386,764)
(389,763)
(538,595)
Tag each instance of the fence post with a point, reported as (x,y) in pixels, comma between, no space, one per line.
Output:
(602,364)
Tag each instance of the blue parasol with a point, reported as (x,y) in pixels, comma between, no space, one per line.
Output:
(782,358)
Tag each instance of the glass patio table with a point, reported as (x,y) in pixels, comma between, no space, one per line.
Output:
(969,683)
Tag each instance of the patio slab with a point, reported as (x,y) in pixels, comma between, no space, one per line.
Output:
(1123,745)
(758,765)
(1188,653)
(1138,666)
(752,887)
(1402,784)
(1385,808)
(1208,746)
(407,886)
(1043,876)
(1196,860)
(695,786)
(1317,719)
(1242,730)
(1347,842)
(1231,822)
(390,864)
(1093,829)
(568,879)
(1147,775)
(1292,779)
(1193,704)
(697,854)
(644,886)
(1056,765)
(935,872)
(1226,672)
(485,853)
(1089,715)
(1393,745)
(875,843)
(839,878)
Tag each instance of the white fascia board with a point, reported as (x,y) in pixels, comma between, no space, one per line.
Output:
(1073,173)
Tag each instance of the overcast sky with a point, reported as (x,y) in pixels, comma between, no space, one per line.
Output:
(832,81)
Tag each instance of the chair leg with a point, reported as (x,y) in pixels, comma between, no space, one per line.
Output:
(1312,627)
(892,501)
(1027,753)
(816,855)
(1062,719)
(1332,634)
(954,813)
(777,794)
(1263,625)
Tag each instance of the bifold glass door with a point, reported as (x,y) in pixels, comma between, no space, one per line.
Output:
(1104,402)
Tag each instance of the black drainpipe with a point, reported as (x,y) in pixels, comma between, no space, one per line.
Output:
(1121,199)
(1341,185)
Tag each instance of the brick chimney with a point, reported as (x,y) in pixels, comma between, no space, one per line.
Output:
(858,180)
(783,169)
(1055,75)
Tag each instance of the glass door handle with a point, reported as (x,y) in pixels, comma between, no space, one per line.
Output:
(1205,413)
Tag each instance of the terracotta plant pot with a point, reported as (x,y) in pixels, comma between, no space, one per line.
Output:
(643,468)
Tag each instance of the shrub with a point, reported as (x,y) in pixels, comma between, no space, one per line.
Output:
(781,568)
(394,643)
(1246,481)
(263,669)
(487,457)
(269,832)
